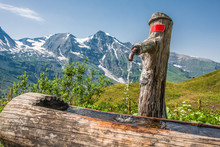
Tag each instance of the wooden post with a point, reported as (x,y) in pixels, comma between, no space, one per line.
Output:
(155,53)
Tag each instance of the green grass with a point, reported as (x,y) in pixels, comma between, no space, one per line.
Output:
(3,102)
(1,145)
(114,98)
(181,99)
(176,74)
(185,112)
(205,88)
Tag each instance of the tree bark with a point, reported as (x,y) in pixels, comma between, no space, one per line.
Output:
(155,54)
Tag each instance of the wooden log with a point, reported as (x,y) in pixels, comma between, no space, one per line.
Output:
(26,121)
(155,53)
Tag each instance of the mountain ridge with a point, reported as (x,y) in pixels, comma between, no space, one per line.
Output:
(107,55)
(6,41)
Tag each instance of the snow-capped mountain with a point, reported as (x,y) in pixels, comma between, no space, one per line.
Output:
(5,41)
(30,47)
(194,66)
(107,55)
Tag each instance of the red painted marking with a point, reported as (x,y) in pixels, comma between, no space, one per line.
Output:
(157,27)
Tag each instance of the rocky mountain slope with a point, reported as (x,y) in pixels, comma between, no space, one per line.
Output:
(106,54)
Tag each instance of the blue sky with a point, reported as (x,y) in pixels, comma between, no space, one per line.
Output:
(195,31)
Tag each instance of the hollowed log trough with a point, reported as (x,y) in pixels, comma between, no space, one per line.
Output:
(34,119)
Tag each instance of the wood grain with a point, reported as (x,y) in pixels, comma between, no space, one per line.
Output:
(23,123)
(155,54)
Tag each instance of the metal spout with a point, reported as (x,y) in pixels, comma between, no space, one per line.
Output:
(133,52)
(131,56)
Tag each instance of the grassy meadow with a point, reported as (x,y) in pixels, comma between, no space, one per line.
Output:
(206,88)
(196,100)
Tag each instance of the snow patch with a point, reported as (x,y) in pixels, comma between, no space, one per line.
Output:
(29,40)
(48,36)
(103,58)
(107,34)
(178,66)
(121,43)
(77,53)
(84,46)
(138,63)
(114,51)
(2,43)
(7,42)
(38,44)
(3,49)
(82,41)
(185,70)
(36,49)
(194,56)
(67,36)
(111,75)
(121,80)
(19,44)
(61,57)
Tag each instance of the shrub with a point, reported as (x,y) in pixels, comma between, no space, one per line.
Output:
(75,86)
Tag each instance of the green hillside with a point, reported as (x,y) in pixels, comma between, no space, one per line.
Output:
(206,88)
(11,68)
(176,75)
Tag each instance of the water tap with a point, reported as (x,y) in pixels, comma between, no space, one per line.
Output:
(134,51)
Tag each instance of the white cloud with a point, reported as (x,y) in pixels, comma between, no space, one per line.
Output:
(25,12)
